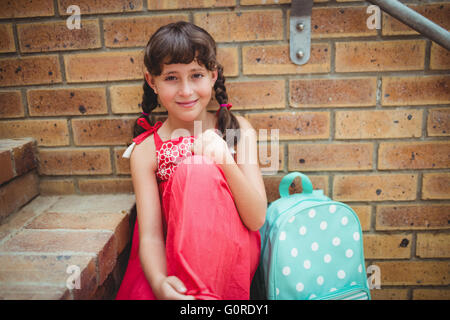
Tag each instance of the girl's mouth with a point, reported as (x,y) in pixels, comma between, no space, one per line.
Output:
(187,104)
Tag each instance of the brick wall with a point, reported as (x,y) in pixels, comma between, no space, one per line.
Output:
(367,118)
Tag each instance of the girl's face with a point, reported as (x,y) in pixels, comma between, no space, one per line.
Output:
(184,89)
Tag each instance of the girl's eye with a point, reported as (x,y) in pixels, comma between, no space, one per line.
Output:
(198,76)
(170,78)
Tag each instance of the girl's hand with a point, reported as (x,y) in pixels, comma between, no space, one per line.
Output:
(171,288)
(211,145)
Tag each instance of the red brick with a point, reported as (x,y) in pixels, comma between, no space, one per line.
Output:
(431,245)
(67,101)
(17,220)
(293,125)
(315,93)
(268,2)
(265,94)
(135,31)
(76,161)
(113,203)
(24,156)
(376,187)
(267,163)
(384,246)
(6,163)
(337,22)
(56,241)
(46,132)
(389,294)
(18,192)
(242,26)
(364,216)
(438,123)
(35,268)
(27,8)
(376,124)
(122,165)
(188,4)
(80,221)
(228,58)
(102,131)
(101,6)
(415,90)
(431,294)
(7,38)
(29,70)
(414,155)
(55,36)
(128,99)
(360,56)
(108,66)
(105,186)
(17,156)
(412,217)
(101,243)
(56,186)
(436,186)
(18,291)
(438,13)
(398,273)
(264,2)
(272,184)
(330,157)
(87,216)
(439,57)
(274,59)
(11,104)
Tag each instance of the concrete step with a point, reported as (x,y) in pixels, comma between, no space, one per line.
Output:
(19,182)
(54,241)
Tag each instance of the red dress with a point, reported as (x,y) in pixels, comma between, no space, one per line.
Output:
(207,245)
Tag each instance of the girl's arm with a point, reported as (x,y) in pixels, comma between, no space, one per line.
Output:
(245,179)
(151,240)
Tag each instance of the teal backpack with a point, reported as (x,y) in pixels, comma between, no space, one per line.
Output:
(312,247)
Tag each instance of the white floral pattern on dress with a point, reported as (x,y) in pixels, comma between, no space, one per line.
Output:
(170,155)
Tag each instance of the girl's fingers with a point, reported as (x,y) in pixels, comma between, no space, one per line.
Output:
(176,283)
(176,289)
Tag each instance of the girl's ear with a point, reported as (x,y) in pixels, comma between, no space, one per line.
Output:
(151,81)
(214,75)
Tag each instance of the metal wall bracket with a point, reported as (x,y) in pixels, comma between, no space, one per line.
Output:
(300,31)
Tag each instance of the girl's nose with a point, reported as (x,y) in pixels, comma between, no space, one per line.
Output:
(185,89)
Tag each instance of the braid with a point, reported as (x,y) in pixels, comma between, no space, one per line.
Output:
(149,103)
(226,119)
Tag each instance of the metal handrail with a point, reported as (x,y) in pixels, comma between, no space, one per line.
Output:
(415,20)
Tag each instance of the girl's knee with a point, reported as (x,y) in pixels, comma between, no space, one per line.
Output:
(199,173)
(198,165)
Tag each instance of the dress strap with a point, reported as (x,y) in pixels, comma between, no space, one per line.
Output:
(157,138)
(149,130)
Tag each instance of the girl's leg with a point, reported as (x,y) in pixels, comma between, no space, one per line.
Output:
(134,285)
(207,245)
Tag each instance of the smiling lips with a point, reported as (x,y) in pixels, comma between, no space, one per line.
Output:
(187,104)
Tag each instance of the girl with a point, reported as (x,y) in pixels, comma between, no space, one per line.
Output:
(198,209)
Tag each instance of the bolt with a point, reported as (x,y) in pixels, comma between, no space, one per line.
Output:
(300,54)
(300,27)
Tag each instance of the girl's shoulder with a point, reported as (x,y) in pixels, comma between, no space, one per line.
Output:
(144,154)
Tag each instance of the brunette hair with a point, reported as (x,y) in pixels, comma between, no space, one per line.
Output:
(184,42)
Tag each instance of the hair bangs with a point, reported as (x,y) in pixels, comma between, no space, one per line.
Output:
(182,43)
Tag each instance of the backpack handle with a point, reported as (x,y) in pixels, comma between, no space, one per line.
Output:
(289,178)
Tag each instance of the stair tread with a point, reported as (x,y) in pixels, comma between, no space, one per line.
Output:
(40,241)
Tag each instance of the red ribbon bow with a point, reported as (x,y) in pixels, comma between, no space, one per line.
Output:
(149,129)
(226,105)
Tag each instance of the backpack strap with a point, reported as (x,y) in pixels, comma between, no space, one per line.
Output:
(289,178)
